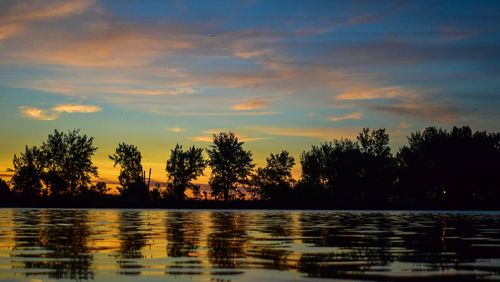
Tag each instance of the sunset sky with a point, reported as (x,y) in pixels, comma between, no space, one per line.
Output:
(281,74)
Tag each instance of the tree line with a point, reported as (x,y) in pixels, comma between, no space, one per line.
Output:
(435,166)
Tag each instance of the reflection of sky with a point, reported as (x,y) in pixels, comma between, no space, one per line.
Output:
(282,74)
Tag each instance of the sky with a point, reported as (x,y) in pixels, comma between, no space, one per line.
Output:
(282,75)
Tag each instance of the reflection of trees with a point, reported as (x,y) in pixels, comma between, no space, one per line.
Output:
(59,244)
(277,225)
(361,242)
(434,244)
(182,230)
(133,238)
(226,244)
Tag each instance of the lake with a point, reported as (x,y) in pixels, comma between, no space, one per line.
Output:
(253,245)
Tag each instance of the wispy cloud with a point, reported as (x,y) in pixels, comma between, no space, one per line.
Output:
(324,134)
(203,113)
(175,129)
(373,93)
(54,112)
(351,116)
(435,111)
(15,18)
(42,10)
(76,108)
(251,104)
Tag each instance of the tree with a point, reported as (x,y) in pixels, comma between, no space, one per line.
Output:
(28,172)
(68,162)
(274,180)
(184,167)
(230,163)
(456,166)
(99,189)
(333,167)
(131,173)
(378,165)
(4,189)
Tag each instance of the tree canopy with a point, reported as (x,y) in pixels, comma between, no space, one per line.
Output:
(273,181)
(231,165)
(182,168)
(63,163)
(68,162)
(131,179)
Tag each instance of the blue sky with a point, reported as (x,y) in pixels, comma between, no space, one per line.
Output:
(281,74)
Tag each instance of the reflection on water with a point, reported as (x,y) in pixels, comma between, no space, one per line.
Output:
(45,244)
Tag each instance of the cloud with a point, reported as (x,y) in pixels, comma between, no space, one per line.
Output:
(175,129)
(435,111)
(353,116)
(54,112)
(251,104)
(37,113)
(76,108)
(7,30)
(324,134)
(404,125)
(373,93)
(202,113)
(42,10)
(15,18)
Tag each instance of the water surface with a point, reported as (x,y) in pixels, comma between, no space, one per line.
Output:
(154,245)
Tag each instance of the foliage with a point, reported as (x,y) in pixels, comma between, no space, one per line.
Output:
(28,172)
(99,189)
(128,157)
(4,188)
(231,165)
(456,166)
(184,167)
(361,170)
(68,163)
(275,180)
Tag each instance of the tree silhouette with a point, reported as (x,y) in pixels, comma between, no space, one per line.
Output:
(28,172)
(333,169)
(450,167)
(131,179)
(68,162)
(230,163)
(4,188)
(378,165)
(275,180)
(184,167)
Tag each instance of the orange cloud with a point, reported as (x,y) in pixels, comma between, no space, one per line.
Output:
(54,112)
(76,108)
(355,116)
(250,104)
(41,10)
(7,30)
(36,113)
(373,93)
(15,18)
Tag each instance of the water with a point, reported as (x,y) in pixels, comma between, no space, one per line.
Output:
(154,245)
